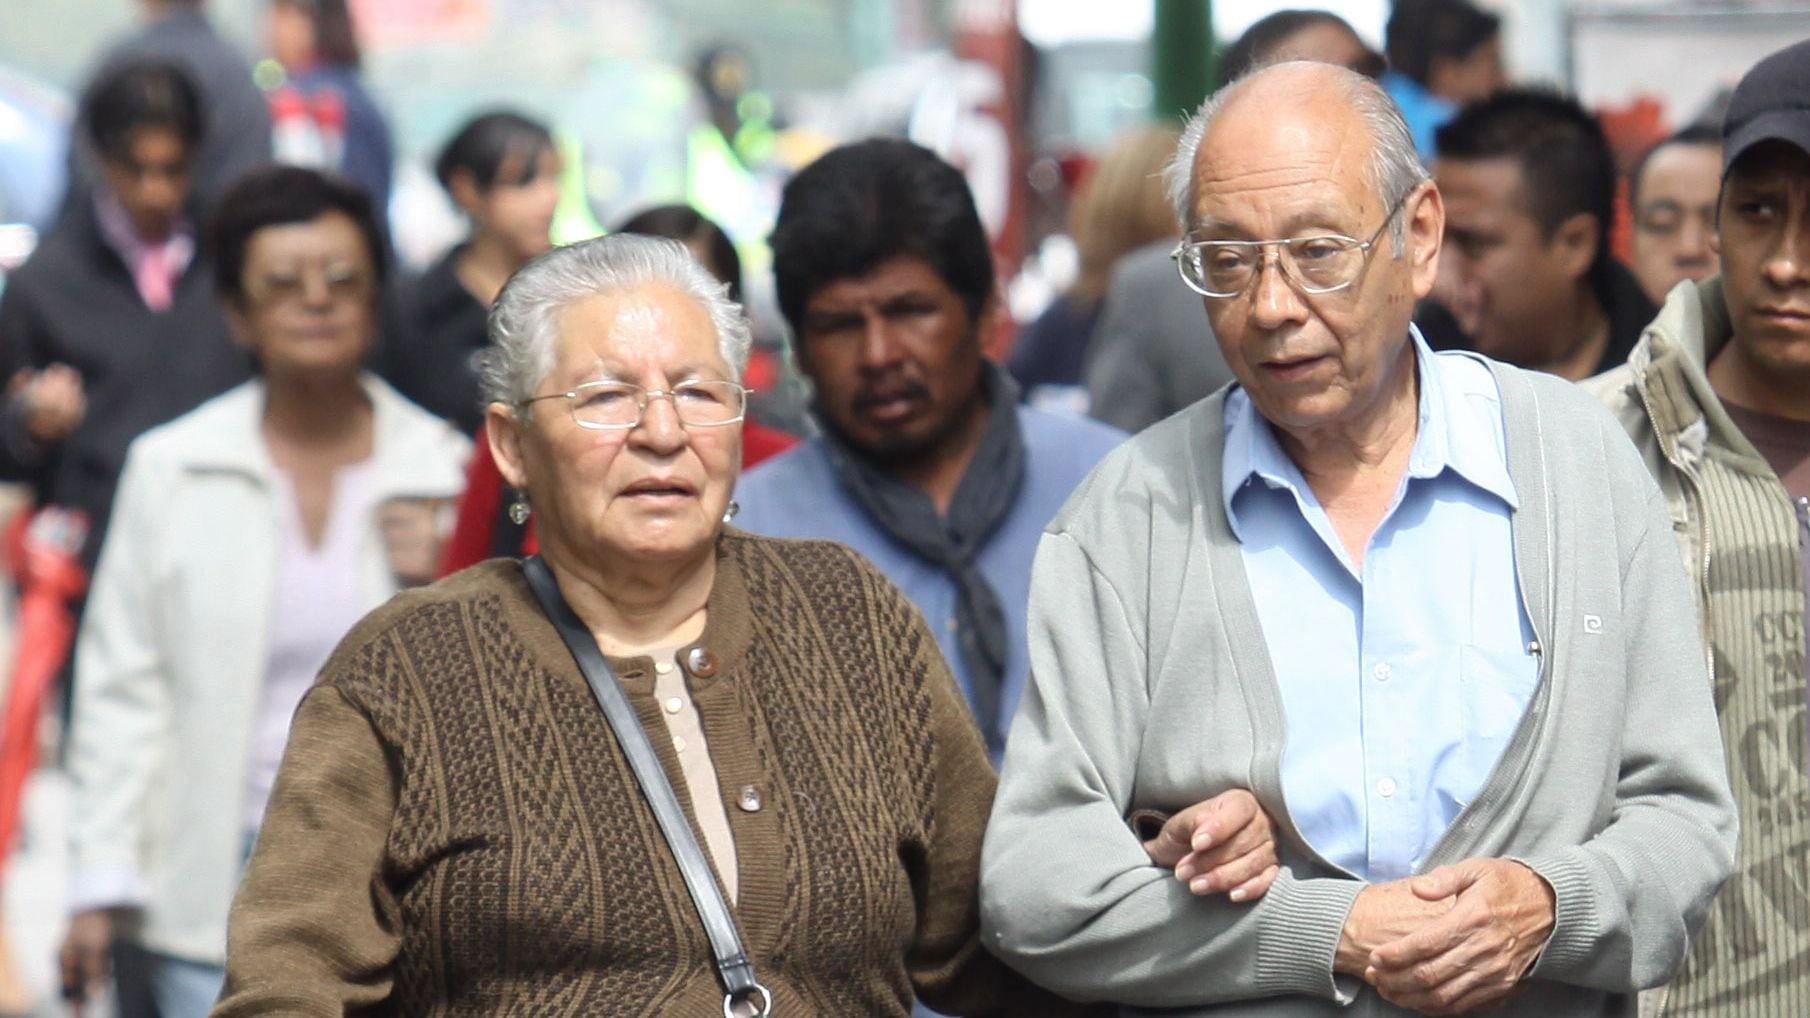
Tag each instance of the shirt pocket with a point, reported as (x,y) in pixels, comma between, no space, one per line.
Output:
(1497,685)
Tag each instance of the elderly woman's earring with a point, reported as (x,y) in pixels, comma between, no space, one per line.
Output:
(519,510)
(729,513)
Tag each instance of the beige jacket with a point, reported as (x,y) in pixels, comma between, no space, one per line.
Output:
(1737,531)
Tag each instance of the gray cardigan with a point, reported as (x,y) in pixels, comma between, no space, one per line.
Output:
(1152,688)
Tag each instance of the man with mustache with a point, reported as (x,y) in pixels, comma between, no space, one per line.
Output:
(926,464)
(1717,396)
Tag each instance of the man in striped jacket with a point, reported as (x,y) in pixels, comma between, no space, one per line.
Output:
(1717,396)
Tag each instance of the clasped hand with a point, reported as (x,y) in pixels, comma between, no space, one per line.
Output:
(1226,843)
(1453,940)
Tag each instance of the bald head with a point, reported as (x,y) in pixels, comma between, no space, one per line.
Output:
(1294,107)
(1309,269)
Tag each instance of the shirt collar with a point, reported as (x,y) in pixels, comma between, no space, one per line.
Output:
(122,236)
(1460,429)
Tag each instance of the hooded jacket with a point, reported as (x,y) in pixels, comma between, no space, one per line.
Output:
(1738,531)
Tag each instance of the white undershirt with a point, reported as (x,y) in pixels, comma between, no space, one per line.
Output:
(314,604)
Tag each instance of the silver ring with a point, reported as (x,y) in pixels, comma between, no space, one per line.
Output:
(766,1002)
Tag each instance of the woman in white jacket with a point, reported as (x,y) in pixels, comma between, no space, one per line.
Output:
(247,537)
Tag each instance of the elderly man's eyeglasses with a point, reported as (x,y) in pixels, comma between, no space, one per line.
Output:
(617,406)
(1321,263)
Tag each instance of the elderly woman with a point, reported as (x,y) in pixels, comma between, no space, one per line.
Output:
(455,830)
(488,525)
(249,535)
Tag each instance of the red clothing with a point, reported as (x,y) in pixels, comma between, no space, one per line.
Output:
(475,534)
(760,442)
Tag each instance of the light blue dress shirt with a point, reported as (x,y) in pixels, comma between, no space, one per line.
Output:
(1402,680)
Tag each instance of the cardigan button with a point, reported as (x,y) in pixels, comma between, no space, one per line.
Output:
(701,662)
(750,799)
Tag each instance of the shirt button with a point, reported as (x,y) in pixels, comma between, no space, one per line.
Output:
(701,662)
(749,800)
(663,667)
(674,705)
(1381,671)
(678,743)
(1386,787)
(950,623)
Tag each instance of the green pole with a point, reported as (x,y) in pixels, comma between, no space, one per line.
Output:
(1182,61)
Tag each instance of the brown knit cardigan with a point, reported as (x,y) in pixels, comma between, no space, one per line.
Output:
(454,831)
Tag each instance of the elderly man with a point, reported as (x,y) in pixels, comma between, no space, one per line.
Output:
(1425,607)
(1717,395)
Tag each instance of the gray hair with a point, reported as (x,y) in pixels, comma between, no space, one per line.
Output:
(1394,169)
(522,334)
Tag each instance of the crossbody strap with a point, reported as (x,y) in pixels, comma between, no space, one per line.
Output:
(733,965)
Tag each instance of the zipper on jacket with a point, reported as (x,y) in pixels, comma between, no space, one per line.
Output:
(1661,996)
(1668,447)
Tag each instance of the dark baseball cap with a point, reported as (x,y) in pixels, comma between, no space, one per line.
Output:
(1771,102)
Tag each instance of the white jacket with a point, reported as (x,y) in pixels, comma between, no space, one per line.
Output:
(171,655)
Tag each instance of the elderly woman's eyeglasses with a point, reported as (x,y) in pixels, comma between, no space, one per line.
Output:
(1321,263)
(616,406)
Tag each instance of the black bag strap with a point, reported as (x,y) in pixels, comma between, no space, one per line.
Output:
(733,966)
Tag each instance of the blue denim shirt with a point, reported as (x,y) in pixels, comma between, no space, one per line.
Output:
(1403,679)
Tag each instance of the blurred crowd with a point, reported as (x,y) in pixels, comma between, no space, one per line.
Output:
(244,426)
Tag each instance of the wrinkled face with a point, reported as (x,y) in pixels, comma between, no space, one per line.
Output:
(1283,162)
(151,179)
(1500,269)
(310,298)
(652,493)
(1675,222)
(518,208)
(895,357)
(1765,245)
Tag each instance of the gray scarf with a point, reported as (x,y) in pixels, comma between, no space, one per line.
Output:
(982,499)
